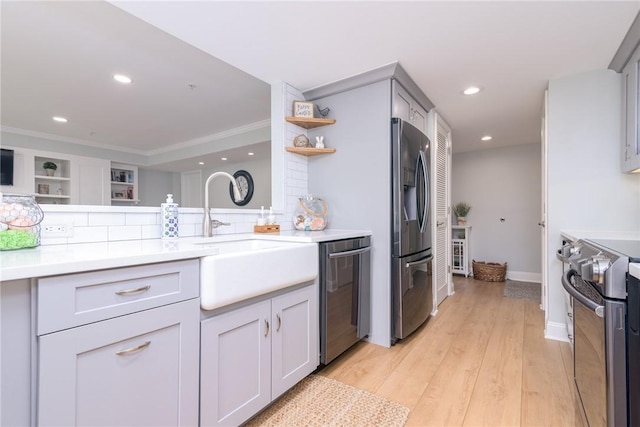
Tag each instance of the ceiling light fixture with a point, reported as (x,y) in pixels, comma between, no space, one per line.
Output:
(122,78)
(487,138)
(60,119)
(201,163)
(223,158)
(251,154)
(471,90)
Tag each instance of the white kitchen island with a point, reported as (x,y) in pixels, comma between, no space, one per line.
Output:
(64,332)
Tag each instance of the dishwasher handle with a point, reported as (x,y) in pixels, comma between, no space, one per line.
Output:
(349,253)
(566,284)
(420,261)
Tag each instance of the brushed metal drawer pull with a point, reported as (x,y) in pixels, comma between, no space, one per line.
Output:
(133,349)
(266,334)
(134,291)
(279,322)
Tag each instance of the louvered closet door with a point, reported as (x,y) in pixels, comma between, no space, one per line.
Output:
(442,279)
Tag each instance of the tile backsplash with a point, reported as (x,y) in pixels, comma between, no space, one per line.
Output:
(96,224)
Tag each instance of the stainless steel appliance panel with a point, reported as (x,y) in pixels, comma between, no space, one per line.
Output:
(345,295)
(599,352)
(633,349)
(412,292)
(410,189)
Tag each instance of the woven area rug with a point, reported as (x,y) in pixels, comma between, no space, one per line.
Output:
(321,401)
(529,290)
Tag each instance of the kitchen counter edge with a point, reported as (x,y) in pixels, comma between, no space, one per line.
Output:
(51,260)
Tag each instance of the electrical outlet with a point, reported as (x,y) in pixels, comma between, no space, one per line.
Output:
(57,230)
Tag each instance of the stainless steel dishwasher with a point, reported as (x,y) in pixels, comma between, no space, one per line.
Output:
(345,295)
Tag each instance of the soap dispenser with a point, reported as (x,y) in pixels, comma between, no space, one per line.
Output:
(169,214)
(271,219)
(262,219)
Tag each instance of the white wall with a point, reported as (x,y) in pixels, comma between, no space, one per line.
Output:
(502,183)
(356,183)
(219,187)
(586,188)
(153,186)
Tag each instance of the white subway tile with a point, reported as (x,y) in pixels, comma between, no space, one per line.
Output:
(189,230)
(141,218)
(53,240)
(151,231)
(128,232)
(89,234)
(105,218)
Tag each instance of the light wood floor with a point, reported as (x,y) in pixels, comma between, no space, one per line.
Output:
(481,361)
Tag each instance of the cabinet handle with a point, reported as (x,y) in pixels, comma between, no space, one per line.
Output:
(133,350)
(134,291)
(266,322)
(279,322)
(569,315)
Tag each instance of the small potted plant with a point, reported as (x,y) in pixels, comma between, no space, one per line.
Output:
(49,168)
(461,210)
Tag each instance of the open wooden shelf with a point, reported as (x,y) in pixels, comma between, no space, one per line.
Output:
(310,151)
(309,123)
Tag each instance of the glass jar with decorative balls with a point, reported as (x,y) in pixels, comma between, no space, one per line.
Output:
(20,218)
(311,214)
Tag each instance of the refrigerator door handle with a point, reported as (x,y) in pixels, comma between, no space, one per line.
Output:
(420,261)
(421,169)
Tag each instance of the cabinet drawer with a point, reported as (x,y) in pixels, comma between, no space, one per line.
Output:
(134,370)
(78,299)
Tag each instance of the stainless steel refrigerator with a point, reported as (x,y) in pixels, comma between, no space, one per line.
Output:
(411,280)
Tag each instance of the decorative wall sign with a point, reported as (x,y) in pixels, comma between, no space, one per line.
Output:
(245,185)
(303,109)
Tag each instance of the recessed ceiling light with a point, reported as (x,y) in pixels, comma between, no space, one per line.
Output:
(251,154)
(201,163)
(60,119)
(471,90)
(122,78)
(223,158)
(487,138)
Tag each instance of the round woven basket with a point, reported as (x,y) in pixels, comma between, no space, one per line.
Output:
(489,271)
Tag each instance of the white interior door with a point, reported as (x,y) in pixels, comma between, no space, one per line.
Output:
(443,283)
(191,189)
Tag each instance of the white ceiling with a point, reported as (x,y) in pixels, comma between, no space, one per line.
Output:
(510,49)
(58,58)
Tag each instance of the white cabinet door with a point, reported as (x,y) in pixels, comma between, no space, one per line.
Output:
(401,102)
(630,114)
(235,365)
(419,117)
(134,370)
(90,177)
(295,338)
(407,109)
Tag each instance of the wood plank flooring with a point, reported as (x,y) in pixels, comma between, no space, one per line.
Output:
(481,361)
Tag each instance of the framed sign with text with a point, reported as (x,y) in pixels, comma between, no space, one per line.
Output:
(303,109)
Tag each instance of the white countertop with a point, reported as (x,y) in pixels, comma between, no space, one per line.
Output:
(52,260)
(634,270)
(574,235)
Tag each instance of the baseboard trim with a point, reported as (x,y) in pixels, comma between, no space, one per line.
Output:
(524,276)
(556,331)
